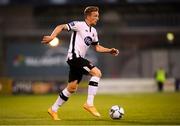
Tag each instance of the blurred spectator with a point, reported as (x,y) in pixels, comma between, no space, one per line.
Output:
(177,84)
(160,77)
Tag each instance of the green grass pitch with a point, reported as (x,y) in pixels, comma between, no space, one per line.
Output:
(140,109)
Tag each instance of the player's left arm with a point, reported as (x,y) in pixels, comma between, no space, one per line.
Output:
(46,39)
(102,49)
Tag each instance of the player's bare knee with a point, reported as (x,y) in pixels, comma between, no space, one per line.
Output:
(72,87)
(96,72)
(99,74)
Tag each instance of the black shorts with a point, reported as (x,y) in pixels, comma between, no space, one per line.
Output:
(78,68)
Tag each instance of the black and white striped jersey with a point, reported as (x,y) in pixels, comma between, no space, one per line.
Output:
(81,38)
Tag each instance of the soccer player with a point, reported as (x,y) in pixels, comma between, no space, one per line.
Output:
(83,36)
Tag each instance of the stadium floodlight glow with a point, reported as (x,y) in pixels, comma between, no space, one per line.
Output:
(54,42)
(170,36)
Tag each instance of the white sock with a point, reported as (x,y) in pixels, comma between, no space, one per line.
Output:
(60,101)
(92,90)
(57,103)
(90,100)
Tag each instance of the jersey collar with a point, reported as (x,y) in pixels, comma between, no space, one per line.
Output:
(88,26)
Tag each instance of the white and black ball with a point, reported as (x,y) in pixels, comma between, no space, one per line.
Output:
(116,112)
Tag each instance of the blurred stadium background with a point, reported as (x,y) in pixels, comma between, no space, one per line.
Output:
(147,33)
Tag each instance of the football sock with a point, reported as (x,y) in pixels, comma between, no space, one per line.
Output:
(62,98)
(92,90)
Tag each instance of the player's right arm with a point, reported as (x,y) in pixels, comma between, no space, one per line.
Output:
(56,32)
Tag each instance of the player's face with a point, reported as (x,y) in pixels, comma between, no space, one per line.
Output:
(93,17)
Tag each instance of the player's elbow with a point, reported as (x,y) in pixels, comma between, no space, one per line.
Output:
(97,48)
(61,27)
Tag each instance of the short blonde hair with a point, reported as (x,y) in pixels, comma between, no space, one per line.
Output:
(89,9)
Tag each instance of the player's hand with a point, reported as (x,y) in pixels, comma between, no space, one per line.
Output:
(47,39)
(114,51)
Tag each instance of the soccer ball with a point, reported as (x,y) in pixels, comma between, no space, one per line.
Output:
(116,112)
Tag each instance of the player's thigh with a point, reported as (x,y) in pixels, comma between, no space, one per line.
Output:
(75,75)
(72,86)
(84,66)
(88,68)
(95,72)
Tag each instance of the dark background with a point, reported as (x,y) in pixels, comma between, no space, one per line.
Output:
(138,28)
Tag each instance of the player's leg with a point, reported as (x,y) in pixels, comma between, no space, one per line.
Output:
(74,78)
(64,95)
(62,98)
(93,85)
(92,90)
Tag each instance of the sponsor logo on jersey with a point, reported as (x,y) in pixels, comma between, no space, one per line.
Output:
(88,40)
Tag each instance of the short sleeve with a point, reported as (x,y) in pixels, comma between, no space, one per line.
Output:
(95,41)
(96,37)
(73,26)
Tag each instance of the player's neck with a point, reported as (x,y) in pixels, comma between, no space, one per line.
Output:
(88,22)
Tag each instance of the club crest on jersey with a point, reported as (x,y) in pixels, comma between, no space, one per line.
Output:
(88,40)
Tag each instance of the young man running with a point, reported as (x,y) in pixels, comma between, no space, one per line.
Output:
(83,36)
